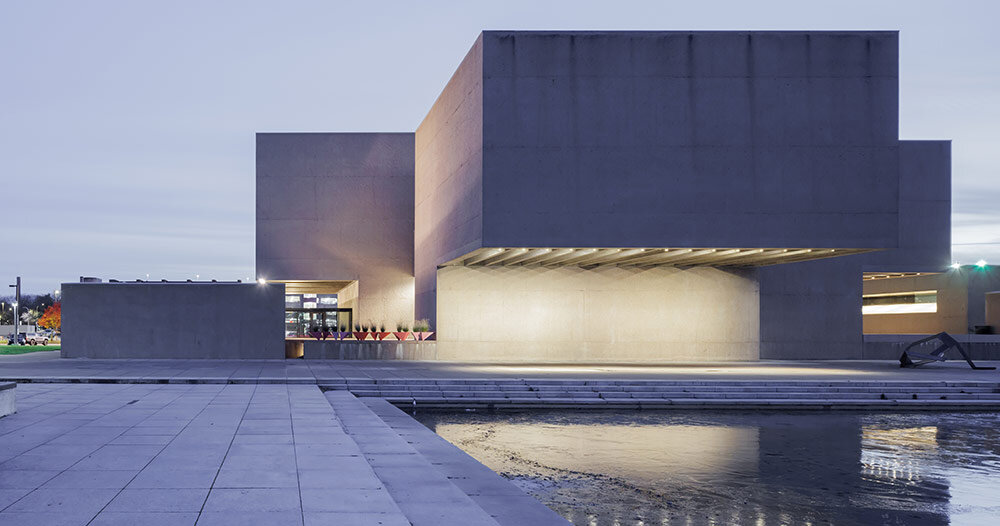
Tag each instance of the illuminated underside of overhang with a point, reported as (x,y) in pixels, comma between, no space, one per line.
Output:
(644,257)
(868,276)
(312,286)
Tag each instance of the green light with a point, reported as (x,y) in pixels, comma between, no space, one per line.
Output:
(981,263)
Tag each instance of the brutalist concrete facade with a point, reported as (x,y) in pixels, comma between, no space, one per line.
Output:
(631,140)
(339,207)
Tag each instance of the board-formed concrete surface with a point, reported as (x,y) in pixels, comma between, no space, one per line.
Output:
(355,188)
(173,320)
(230,454)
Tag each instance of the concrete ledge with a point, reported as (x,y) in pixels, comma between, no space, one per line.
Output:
(8,398)
(502,500)
(681,404)
(369,350)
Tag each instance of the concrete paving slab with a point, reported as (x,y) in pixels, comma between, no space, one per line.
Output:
(173,477)
(73,518)
(256,478)
(99,479)
(314,518)
(10,496)
(111,518)
(348,500)
(159,500)
(252,500)
(81,500)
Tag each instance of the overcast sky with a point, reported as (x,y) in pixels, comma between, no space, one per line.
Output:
(127,128)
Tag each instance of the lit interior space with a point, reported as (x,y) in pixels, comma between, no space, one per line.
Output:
(899,302)
(315,303)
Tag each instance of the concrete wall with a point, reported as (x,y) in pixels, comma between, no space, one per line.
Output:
(811,310)
(924,242)
(339,206)
(981,281)
(601,315)
(715,139)
(173,320)
(449,177)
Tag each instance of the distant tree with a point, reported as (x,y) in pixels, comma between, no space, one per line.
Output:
(52,318)
(29,316)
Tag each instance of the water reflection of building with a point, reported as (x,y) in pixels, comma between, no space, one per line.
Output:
(720,469)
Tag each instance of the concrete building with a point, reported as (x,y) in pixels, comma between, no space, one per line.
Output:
(593,197)
(621,196)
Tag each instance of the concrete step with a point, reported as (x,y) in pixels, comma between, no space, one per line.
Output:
(676,395)
(544,385)
(665,403)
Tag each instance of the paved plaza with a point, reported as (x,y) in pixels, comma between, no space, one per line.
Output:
(47,366)
(164,442)
(237,454)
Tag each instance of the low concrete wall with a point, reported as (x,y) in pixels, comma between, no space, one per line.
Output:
(372,350)
(173,320)
(890,346)
(8,398)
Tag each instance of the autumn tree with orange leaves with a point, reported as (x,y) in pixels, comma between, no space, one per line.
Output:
(52,318)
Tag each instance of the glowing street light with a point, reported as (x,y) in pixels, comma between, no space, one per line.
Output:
(956,265)
(262,281)
(981,263)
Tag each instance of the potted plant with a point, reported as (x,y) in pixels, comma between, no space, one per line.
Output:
(382,334)
(402,331)
(360,332)
(344,331)
(422,330)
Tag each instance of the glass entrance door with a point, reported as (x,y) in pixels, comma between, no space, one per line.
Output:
(299,322)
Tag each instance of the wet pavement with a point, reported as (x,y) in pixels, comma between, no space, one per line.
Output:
(632,468)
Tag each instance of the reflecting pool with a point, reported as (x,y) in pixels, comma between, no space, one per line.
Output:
(754,468)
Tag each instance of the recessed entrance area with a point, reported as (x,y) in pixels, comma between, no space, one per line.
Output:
(313,305)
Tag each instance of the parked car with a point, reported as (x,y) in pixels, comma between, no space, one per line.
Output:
(34,338)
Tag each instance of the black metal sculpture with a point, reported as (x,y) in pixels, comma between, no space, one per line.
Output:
(937,355)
